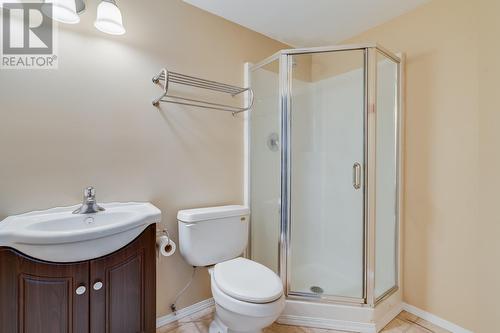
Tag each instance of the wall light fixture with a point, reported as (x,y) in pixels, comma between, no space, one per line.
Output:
(109,17)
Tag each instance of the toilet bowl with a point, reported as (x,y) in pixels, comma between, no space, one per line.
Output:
(248,296)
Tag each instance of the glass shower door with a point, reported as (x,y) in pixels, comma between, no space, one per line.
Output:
(327,121)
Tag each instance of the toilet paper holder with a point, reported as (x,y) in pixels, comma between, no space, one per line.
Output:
(162,232)
(170,245)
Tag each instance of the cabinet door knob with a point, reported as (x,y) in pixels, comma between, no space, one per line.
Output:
(97,285)
(81,290)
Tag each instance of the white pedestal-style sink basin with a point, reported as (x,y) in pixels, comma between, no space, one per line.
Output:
(58,235)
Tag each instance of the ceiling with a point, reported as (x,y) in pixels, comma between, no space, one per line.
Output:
(308,22)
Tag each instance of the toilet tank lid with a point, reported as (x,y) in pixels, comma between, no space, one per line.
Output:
(211,213)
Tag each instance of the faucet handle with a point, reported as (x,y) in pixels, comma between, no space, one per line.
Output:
(89,192)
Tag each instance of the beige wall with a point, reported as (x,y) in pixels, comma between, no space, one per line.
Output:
(488,222)
(91,122)
(451,225)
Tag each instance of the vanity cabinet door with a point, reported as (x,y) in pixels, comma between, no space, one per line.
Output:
(40,297)
(123,288)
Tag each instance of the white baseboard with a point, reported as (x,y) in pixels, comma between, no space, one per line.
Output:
(342,325)
(182,313)
(433,319)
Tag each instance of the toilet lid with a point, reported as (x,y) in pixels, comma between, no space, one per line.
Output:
(248,281)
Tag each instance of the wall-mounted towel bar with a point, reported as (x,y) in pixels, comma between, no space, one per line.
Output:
(168,77)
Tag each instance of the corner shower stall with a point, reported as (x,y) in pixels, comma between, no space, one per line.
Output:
(323,160)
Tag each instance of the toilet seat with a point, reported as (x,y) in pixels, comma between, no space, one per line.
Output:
(245,308)
(247,281)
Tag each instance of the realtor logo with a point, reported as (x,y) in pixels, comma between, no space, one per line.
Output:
(27,36)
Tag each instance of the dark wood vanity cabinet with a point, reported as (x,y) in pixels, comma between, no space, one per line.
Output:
(40,297)
(127,301)
(112,294)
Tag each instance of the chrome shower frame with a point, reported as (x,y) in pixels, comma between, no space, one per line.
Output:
(284,57)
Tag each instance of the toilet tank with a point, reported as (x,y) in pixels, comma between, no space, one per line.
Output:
(211,235)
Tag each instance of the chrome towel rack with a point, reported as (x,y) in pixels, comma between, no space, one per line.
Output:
(168,77)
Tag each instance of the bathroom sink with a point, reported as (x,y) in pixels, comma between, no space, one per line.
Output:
(58,235)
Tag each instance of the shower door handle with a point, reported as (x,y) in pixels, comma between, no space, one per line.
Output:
(356,176)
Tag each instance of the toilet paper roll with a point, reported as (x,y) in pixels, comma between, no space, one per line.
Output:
(165,246)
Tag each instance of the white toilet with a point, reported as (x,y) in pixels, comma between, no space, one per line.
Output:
(248,296)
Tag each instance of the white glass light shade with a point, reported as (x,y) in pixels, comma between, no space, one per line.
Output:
(109,19)
(62,11)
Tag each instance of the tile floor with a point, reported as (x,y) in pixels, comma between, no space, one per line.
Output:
(403,323)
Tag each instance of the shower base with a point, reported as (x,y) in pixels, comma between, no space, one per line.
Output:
(350,318)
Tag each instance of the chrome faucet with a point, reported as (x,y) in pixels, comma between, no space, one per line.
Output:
(89,205)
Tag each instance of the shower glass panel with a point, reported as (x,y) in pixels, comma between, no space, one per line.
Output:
(386,176)
(327,139)
(265,165)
